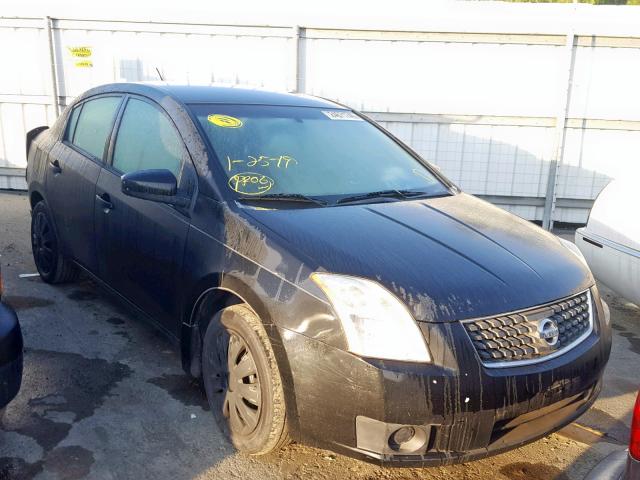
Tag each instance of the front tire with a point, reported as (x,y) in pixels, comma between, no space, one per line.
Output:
(51,265)
(243,383)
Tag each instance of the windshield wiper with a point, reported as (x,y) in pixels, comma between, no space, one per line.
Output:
(383,194)
(284,197)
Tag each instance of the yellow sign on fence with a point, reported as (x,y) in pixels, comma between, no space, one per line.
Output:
(81,52)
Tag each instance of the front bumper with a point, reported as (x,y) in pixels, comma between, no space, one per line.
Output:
(10,355)
(463,410)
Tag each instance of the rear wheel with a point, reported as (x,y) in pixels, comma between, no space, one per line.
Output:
(51,265)
(243,382)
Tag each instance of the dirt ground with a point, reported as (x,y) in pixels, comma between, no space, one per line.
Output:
(104,397)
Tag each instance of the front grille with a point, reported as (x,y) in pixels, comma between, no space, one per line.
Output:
(534,334)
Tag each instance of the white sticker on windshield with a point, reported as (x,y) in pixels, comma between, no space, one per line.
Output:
(341,115)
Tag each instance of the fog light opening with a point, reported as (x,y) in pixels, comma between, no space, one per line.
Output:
(407,439)
(403,435)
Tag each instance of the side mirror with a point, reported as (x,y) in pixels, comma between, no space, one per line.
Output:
(154,185)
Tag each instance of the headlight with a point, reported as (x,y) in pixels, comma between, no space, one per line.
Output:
(374,321)
(575,250)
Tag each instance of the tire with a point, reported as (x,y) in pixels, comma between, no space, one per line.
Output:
(51,265)
(236,351)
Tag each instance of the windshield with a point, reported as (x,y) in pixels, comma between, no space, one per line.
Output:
(312,152)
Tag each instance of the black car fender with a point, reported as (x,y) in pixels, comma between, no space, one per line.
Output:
(209,302)
(39,142)
(217,291)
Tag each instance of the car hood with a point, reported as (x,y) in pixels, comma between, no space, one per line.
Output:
(447,258)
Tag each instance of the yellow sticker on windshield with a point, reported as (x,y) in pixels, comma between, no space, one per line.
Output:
(225,121)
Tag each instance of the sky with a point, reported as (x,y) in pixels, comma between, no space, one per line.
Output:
(428,15)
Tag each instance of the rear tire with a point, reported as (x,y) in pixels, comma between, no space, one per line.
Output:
(51,265)
(243,383)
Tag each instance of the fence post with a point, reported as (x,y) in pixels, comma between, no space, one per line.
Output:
(560,133)
(55,101)
(296,59)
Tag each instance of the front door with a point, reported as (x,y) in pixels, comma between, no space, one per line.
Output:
(140,242)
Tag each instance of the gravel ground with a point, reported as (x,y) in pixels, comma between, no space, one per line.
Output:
(104,397)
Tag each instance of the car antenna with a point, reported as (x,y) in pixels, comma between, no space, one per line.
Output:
(160,74)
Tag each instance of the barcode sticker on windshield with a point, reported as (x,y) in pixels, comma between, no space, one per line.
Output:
(341,115)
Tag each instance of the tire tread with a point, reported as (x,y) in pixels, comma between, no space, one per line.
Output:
(278,437)
(68,271)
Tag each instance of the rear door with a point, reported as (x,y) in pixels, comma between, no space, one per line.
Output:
(140,242)
(72,172)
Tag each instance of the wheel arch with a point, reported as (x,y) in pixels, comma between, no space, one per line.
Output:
(214,292)
(35,197)
(208,303)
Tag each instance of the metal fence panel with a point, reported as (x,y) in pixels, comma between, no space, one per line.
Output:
(434,77)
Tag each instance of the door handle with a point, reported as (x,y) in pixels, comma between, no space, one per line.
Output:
(54,165)
(105,200)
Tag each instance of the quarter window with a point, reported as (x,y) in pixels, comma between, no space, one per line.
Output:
(71,126)
(146,140)
(93,125)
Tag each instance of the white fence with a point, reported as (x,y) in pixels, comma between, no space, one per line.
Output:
(536,122)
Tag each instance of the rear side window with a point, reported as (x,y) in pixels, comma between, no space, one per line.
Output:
(93,124)
(146,140)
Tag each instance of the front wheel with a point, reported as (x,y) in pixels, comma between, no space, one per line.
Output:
(243,383)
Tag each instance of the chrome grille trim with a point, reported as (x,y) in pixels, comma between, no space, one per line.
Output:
(541,358)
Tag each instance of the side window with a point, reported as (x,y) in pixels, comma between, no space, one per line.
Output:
(71,124)
(146,140)
(94,124)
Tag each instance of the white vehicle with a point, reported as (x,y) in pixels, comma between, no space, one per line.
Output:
(611,240)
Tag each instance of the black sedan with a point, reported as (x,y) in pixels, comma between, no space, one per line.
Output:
(328,284)
(10,352)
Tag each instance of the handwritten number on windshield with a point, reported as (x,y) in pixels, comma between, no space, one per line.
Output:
(264,161)
(250,183)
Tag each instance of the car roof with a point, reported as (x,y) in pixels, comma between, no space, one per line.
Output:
(188,94)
